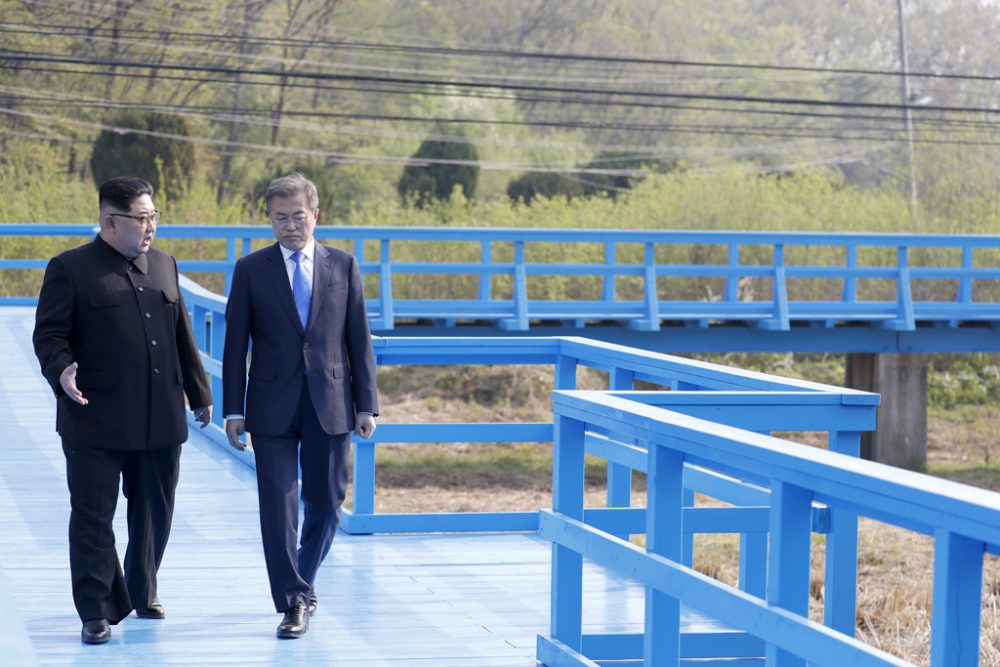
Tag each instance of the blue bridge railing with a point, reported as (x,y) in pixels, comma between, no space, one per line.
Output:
(644,280)
(773,621)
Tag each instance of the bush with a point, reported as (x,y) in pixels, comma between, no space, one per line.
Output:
(532,185)
(422,183)
(123,153)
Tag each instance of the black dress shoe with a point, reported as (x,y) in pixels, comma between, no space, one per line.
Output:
(153,610)
(295,623)
(313,603)
(96,631)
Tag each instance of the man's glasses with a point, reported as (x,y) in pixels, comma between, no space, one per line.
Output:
(298,219)
(148,219)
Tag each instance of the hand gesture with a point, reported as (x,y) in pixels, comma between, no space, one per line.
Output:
(203,416)
(364,426)
(68,381)
(234,429)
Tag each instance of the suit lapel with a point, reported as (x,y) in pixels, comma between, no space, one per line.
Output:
(322,274)
(278,276)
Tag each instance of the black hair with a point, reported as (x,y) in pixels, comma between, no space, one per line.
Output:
(120,192)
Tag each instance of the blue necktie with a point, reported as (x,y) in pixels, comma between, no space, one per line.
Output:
(300,289)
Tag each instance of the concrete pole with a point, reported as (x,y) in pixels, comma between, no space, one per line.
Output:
(904,64)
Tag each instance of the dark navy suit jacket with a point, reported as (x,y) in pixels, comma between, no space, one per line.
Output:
(334,353)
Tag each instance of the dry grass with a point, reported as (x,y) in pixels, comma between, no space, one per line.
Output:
(895,566)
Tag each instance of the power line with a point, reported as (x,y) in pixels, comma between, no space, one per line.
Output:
(533,55)
(218,69)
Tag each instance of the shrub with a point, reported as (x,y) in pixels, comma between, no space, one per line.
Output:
(421,183)
(119,152)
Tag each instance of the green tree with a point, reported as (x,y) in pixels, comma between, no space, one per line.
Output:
(533,184)
(156,148)
(423,180)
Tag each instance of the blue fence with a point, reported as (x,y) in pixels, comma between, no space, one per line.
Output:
(895,293)
(772,621)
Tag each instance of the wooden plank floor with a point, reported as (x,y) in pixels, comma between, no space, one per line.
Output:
(447,600)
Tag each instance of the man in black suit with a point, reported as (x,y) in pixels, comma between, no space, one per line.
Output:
(115,343)
(311,382)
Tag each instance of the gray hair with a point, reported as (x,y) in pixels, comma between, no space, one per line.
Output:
(290,186)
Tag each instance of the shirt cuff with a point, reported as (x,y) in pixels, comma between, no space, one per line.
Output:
(234,416)
(367,413)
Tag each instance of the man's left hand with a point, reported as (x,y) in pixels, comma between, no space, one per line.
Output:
(364,426)
(203,416)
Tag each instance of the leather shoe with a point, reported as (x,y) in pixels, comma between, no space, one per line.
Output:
(95,631)
(153,610)
(313,603)
(295,624)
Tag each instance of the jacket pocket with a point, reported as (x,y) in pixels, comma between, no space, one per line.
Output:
(338,371)
(169,297)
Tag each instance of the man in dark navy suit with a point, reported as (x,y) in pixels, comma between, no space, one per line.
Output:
(115,343)
(311,382)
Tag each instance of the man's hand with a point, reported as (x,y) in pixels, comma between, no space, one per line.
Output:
(364,426)
(234,429)
(68,381)
(203,415)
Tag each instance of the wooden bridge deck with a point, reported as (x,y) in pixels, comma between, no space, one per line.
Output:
(449,600)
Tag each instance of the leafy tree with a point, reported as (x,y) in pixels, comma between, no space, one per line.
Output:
(120,152)
(533,184)
(437,180)
(612,184)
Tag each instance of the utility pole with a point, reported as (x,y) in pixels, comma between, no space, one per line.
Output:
(907,114)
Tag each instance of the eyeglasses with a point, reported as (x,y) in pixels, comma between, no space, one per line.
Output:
(148,219)
(282,219)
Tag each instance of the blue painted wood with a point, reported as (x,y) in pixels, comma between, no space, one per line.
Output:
(619,476)
(567,499)
(665,515)
(958,589)
(840,598)
(761,323)
(719,601)
(788,562)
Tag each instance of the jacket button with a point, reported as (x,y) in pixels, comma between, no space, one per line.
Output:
(139,288)
(153,343)
(148,316)
(156,371)
(305,346)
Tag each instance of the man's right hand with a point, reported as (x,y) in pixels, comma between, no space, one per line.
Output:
(68,381)
(234,429)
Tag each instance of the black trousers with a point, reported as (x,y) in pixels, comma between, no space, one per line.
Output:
(148,479)
(292,569)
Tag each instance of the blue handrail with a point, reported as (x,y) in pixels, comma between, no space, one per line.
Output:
(964,522)
(965,292)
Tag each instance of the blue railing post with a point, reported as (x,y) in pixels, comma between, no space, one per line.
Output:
(904,293)
(958,588)
(218,342)
(651,299)
(965,283)
(619,475)
(567,564)
(840,600)
(231,257)
(788,559)
(486,278)
(519,322)
(664,529)
(385,286)
(779,291)
(733,278)
(610,279)
(850,293)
